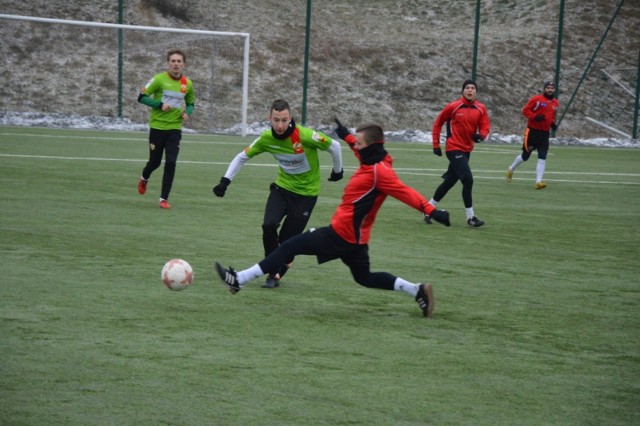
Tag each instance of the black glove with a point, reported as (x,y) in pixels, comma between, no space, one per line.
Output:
(341,130)
(437,151)
(539,117)
(554,126)
(477,137)
(336,176)
(441,216)
(221,188)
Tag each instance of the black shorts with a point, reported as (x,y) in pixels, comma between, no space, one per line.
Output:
(325,244)
(331,246)
(535,140)
(458,166)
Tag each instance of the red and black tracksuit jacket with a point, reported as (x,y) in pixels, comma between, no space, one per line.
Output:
(364,194)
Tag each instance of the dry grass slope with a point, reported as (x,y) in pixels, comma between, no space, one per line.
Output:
(397,62)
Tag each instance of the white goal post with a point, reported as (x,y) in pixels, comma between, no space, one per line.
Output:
(149,72)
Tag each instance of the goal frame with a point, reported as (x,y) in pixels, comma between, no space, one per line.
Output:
(245,36)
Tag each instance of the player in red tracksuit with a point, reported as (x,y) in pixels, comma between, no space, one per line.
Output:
(467,123)
(541,118)
(348,235)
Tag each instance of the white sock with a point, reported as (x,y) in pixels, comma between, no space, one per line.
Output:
(540,169)
(406,286)
(469,211)
(249,274)
(433,202)
(518,160)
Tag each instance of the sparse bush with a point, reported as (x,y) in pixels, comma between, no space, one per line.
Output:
(168,8)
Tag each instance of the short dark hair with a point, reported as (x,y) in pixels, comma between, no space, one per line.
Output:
(373,132)
(177,52)
(280,105)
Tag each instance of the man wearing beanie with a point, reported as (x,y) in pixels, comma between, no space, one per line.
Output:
(541,117)
(467,123)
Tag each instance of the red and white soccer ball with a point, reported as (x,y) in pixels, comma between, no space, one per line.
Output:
(177,274)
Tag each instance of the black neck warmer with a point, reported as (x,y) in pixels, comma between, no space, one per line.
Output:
(548,96)
(286,133)
(372,154)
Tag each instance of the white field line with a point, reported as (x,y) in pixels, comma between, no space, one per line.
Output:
(400,171)
(477,176)
(218,139)
(142,138)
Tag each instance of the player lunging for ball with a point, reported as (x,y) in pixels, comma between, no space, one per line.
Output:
(347,237)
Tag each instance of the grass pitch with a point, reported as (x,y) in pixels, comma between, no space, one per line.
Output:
(536,319)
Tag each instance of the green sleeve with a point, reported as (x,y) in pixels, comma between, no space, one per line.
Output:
(149,101)
(190,99)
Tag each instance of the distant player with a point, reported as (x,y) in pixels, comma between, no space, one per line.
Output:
(467,123)
(541,113)
(171,98)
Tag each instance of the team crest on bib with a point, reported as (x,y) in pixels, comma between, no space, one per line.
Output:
(297,148)
(316,137)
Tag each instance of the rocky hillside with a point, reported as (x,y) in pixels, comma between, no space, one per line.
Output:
(397,62)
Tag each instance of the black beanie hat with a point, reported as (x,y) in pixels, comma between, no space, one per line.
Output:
(548,83)
(467,82)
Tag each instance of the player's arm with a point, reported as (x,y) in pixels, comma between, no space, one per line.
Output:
(554,122)
(236,164)
(443,117)
(530,109)
(190,100)
(336,154)
(233,169)
(484,126)
(346,136)
(322,142)
(389,183)
(147,100)
(144,98)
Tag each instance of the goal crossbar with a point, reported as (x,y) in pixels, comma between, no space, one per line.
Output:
(245,36)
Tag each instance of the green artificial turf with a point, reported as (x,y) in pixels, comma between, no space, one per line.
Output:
(536,318)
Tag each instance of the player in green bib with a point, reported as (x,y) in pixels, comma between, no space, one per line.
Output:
(171,98)
(293,195)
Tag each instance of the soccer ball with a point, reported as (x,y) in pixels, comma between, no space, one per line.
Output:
(177,274)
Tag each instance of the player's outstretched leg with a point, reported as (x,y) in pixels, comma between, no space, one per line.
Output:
(440,216)
(229,277)
(425,299)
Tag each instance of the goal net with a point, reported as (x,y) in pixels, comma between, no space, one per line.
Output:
(90,69)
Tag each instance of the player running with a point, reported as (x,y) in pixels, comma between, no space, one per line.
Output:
(540,112)
(171,98)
